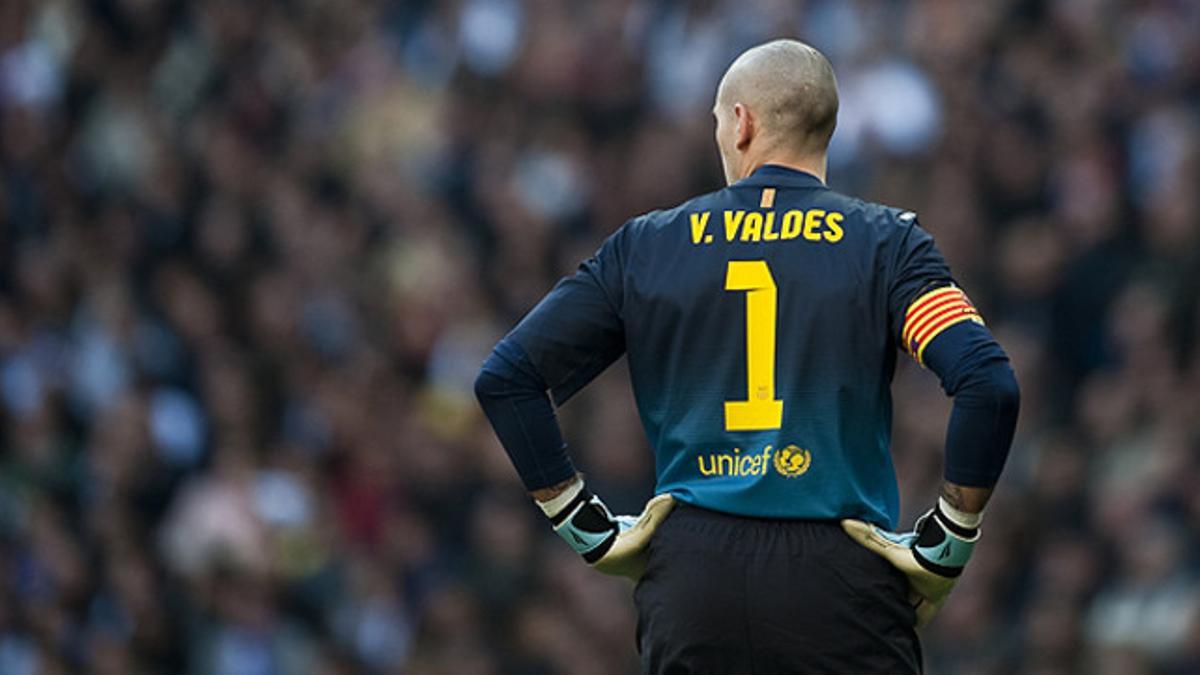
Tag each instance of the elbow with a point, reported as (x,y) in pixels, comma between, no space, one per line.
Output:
(1003,389)
(504,375)
(1006,392)
(488,383)
(992,386)
(482,385)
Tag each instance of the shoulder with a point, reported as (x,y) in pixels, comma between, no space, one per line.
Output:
(655,222)
(888,226)
(889,219)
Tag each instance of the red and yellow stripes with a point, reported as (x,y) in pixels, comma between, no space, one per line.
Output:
(932,313)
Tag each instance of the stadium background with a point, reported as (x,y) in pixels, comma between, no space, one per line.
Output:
(253,252)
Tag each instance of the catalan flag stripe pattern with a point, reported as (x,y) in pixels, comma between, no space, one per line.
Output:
(932,313)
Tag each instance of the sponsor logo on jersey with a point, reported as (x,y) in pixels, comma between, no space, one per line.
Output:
(791,461)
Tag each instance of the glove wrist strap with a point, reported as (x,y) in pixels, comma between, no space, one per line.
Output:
(943,546)
(586,525)
(563,502)
(951,527)
(954,517)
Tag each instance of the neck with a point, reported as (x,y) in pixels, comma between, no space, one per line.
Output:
(814,165)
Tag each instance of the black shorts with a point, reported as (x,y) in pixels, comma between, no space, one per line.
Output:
(728,594)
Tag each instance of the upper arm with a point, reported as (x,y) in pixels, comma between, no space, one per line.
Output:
(923,299)
(578,330)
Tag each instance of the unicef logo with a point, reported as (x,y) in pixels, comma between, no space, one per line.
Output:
(792,461)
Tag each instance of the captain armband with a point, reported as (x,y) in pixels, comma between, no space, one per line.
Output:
(932,313)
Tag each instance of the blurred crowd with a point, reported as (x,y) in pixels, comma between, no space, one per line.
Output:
(252,254)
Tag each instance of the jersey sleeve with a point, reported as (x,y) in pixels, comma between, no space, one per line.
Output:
(935,322)
(577,330)
(923,298)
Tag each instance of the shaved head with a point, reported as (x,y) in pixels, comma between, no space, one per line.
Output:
(789,91)
(791,87)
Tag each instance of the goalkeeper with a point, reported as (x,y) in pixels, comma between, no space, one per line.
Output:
(761,323)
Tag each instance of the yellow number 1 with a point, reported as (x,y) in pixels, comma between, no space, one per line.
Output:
(761,410)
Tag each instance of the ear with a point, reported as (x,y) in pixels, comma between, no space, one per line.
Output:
(745,126)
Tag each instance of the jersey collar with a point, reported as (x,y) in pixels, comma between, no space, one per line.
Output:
(780,176)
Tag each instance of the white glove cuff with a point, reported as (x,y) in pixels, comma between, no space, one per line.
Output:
(559,502)
(961,518)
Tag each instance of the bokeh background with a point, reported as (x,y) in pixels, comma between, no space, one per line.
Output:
(252,254)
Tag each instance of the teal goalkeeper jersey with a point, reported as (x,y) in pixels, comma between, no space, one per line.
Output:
(761,324)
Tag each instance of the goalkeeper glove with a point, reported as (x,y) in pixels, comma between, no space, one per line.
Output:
(932,556)
(611,544)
